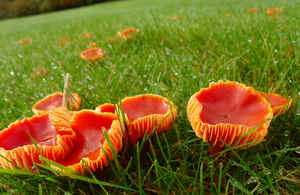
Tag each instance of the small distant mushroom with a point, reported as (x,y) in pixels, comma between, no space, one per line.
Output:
(51,132)
(25,41)
(176,17)
(54,101)
(273,11)
(251,10)
(128,33)
(89,127)
(92,54)
(146,113)
(41,72)
(229,112)
(278,103)
(65,41)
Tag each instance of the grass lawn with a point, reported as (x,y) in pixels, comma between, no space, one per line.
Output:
(214,40)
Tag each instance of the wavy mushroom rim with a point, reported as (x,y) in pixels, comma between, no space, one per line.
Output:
(92,54)
(279,104)
(151,123)
(106,107)
(25,156)
(237,134)
(74,105)
(116,136)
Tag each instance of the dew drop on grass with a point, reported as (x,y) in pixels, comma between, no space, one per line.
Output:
(298,150)
(12,73)
(286,133)
(91,87)
(88,78)
(44,80)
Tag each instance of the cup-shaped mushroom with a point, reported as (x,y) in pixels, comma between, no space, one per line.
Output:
(52,134)
(229,112)
(128,33)
(54,101)
(107,107)
(92,54)
(147,113)
(89,127)
(278,103)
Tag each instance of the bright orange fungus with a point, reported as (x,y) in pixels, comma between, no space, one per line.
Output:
(278,103)
(251,10)
(229,112)
(128,33)
(92,54)
(55,100)
(89,126)
(147,113)
(52,134)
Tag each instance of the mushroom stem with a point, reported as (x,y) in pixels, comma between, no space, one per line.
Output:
(64,103)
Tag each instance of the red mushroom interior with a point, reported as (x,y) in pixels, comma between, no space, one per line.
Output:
(39,128)
(274,99)
(88,127)
(92,53)
(233,105)
(55,101)
(142,106)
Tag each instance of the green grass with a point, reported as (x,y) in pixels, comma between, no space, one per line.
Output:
(170,58)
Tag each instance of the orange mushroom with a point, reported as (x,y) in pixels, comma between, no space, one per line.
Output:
(251,10)
(109,108)
(92,54)
(146,113)
(278,103)
(51,132)
(128,33)
(65,41)
(273,11)
(55,100)
(25,41)
(89,127)
(175,17)
(229,112)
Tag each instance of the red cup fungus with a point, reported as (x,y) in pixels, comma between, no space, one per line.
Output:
(229,112)
(54,101)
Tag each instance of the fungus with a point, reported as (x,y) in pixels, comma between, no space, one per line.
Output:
(51,132)
(65,41)
(92,54)
(176,17)
(278,103)
(146,113)
(41,72)
(251,10)
(89,127)
(127,34)
(229,112)
(108,108)
(273,11)
(55,100)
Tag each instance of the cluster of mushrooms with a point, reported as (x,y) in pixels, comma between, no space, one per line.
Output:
(225,112)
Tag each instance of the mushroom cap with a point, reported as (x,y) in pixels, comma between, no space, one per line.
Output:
(251,10)
(51,132)
(272,11)
(278,103)
(127,34)
(226,111)
(88,126)
(92,54)
(145,112)
(54,101)
(107,107)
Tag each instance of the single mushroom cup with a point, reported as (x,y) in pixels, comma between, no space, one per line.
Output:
(278,103)
(92,54)
(51,132)
(89,127)
(54,101)
(147,113)
(229,112)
